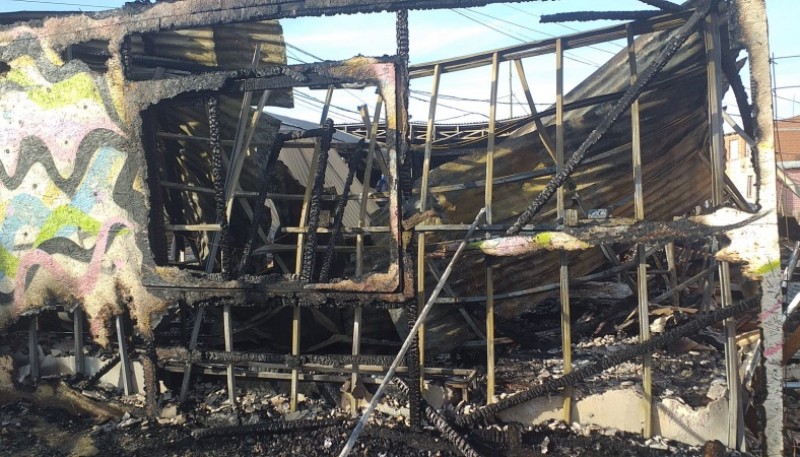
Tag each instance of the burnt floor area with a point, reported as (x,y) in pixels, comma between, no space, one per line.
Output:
(30,430)
(34,423)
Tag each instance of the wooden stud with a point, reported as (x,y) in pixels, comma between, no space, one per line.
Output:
(423,205)
(299,253)
(563,276)
(752,24)
(362,221)
(641,270)
(488,191)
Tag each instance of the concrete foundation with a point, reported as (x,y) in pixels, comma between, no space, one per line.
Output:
(621,409)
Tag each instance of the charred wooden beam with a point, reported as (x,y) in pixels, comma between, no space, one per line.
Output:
(217,172)
(440,423)
(146,18)
(663,5)
(267,428)
(309,251)
(338,216)
(260,208)
(263,193)
(95,378)
(584,16)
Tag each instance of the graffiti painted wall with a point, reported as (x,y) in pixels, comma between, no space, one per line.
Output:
(72,202)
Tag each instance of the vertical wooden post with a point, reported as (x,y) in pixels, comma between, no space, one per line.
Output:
(244,136)
(77,331)
(423,205)
(488,190)
(295,379)
(714,75)
(362,222)
(241,143)
(641,270)
(309,186)
(563,277)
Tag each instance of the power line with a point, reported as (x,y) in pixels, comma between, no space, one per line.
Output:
(304,52)
(316,100)
(530,29)
(557,23)
(787,99)
(489,26)
(521,40)
(64,3)
(450,107)
(523,105)
(467,99)
(315,106)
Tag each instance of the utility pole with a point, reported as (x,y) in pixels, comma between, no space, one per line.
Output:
(752,16)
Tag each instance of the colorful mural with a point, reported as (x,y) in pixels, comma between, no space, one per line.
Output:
(70,174)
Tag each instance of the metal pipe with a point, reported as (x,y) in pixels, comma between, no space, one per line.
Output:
(33,348)
(407,343)
(124,358)
(187,373)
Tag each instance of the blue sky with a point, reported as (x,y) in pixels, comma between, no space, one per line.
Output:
(447,33)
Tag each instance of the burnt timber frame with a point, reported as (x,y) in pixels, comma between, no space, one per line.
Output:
(517,53)
(200,12)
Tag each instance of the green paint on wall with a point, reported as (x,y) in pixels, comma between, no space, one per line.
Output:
(66,93)
(8,263)
(766,268)
(18,76)
(66,216)
(543,239)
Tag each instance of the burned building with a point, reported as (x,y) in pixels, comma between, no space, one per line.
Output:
(143,183)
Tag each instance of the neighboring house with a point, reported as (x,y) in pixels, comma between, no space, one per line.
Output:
(787,149)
